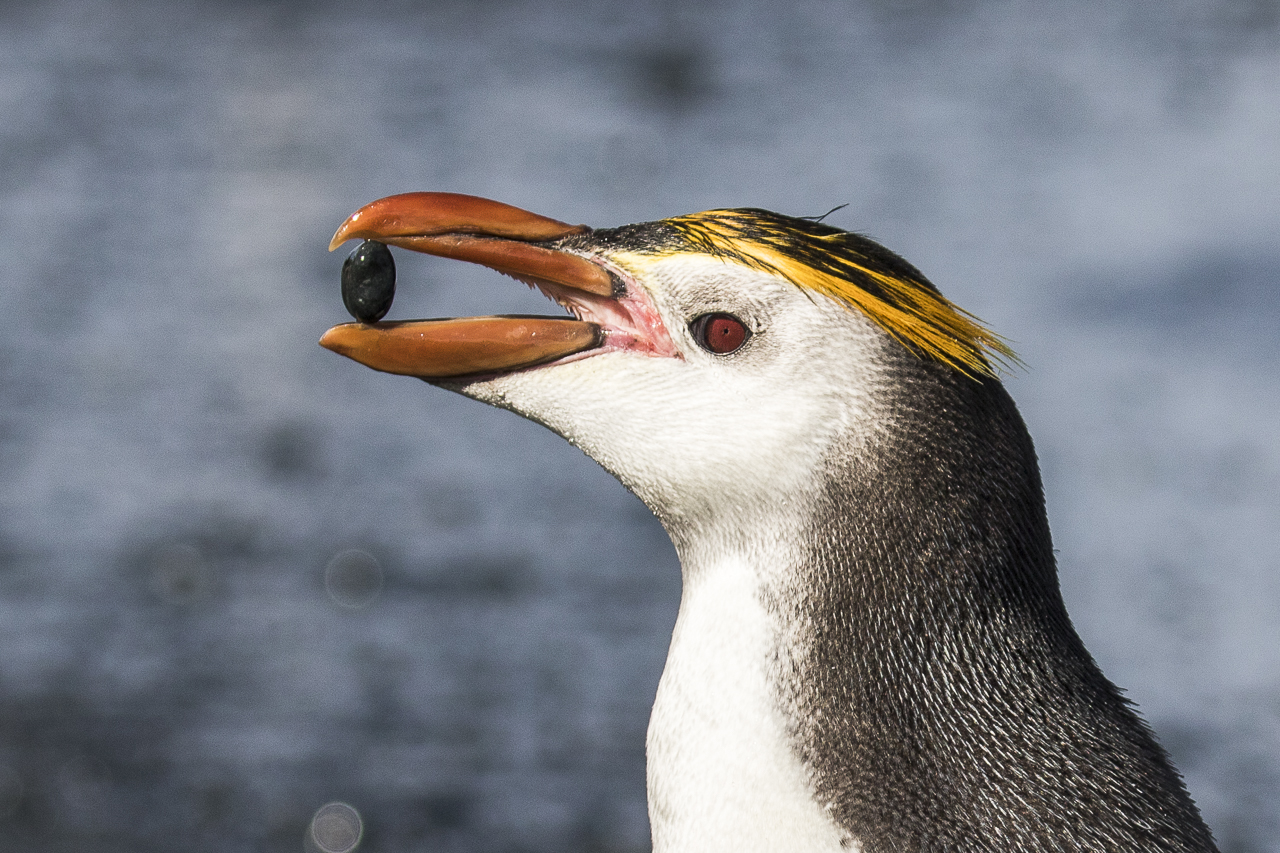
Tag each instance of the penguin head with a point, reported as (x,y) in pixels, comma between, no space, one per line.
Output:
(714,359)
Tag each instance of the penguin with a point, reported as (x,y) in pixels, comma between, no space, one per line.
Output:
(871,651)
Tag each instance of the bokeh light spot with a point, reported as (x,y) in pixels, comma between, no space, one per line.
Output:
(335,828)
(353,578)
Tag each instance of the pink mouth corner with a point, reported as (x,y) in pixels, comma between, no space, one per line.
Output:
(629,322)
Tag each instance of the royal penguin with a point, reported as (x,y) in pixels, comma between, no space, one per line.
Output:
(871,651)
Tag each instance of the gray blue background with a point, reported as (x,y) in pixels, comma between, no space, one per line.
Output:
(179,461)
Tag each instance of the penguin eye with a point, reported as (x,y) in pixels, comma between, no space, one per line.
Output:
(719,333)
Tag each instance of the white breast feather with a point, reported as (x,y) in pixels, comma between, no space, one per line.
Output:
(722,776)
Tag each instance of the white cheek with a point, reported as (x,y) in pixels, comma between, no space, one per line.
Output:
(638,417)
(684,437)
(699,436)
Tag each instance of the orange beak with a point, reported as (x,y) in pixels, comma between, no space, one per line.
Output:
(485,232)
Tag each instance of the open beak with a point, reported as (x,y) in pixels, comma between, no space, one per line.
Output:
(504,238)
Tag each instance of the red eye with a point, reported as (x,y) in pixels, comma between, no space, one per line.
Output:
(719,333)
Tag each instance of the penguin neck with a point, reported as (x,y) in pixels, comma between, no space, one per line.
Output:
(723,773)
(885,663)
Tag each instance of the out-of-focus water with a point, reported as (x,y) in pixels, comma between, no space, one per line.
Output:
(242,578)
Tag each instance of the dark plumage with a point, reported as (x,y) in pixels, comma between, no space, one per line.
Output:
(941,651)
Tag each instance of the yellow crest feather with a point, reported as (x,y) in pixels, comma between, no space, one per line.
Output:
(854,271)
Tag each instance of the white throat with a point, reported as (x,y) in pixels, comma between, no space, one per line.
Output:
(722,775)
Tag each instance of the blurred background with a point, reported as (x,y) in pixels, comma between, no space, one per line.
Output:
(242,578)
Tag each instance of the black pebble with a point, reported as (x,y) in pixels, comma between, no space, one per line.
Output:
(369,281)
